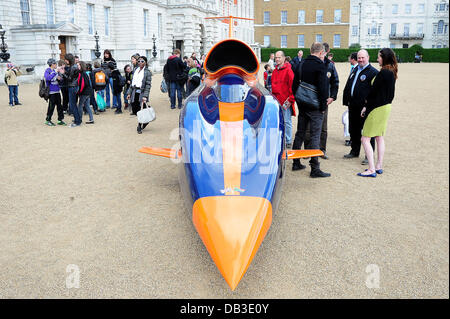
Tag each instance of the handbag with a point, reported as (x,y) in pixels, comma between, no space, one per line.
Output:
(163,86)
(146,115)
(307,94)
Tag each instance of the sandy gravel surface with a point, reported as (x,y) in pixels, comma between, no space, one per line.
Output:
(86,197)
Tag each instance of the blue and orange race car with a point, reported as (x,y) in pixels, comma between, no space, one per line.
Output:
(232,157)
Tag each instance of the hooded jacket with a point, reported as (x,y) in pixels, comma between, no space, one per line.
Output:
(282,78)
(174,67)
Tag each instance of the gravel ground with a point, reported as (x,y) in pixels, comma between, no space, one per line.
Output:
(86,197)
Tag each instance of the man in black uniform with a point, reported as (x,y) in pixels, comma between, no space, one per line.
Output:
(313,71)
(355,93)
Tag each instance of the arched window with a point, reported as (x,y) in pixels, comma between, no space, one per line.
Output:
(440,27)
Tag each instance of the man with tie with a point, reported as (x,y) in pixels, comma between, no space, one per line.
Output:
(355,93)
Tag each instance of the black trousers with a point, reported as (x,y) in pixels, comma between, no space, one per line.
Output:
(54,100)
(323,133)
(314,119)
(65,98)
(356,124)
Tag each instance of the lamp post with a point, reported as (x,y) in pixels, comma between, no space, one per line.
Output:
(154,53)
(97,47)
(3,47)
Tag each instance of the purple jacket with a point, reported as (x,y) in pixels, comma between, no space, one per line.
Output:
(51,78)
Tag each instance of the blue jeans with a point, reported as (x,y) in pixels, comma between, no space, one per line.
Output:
(288,124)
(73,104)
(109,86)
(175,89)
(85,103)
(119,101)
(13,94)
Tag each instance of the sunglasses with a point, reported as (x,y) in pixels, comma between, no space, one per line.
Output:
(141,61)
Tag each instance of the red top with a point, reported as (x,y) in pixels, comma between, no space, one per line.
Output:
(282,78)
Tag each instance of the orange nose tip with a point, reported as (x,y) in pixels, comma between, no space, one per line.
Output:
(232,229)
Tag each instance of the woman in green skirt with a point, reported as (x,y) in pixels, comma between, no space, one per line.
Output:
(377,109)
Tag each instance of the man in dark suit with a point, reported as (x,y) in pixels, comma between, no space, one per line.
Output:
(312,71)
(355,93)
(296,61)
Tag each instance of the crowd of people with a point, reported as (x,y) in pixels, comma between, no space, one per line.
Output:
(313,83)
(368,94)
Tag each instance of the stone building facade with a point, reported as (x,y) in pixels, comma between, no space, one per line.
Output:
(299,23)
(39,29)
(399,23)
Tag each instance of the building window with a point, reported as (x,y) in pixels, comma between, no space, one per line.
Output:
(354,30)
(373,29)
(394,8)
(380,26)
(319,16)
(406,29)
(440,27)
(107,9)
(355,9)
(267,40)
(266,17)
(439,46)
(419,28)
(91,22)
(337,15)
(392,45)
(442,7)
(50,11)
(421,8)
(25,9)
(71,9)
(160,25)
(283,17)
(145,23)
(301,40)
(337,41)
(284,41)
(408,8)
(301,16)
(319,38)
(393,29)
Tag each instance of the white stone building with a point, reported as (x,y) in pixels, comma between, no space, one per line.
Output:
(39,29)
(399,23)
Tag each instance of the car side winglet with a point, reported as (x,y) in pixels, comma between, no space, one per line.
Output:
(293,154)
(164,152)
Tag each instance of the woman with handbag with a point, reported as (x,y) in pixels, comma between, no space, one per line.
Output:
(377,110)
(139,91)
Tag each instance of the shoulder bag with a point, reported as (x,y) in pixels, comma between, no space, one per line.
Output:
(307,94)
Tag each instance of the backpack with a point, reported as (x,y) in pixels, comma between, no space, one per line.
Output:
(122,81)
(100,78)
(44,90)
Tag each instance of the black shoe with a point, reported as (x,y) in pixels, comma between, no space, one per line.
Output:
(325,157)
(118,111)
(318,173)
(298,166)
(139,130)
(179,106)
(18,103)
(350,155)
(172,107)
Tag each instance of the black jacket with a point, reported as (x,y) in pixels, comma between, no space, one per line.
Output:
(313,71)
(295,62)
(382,91)
(116,88)
(362,87)
(72,76)
(174,66)
(333,79)
(84,84)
